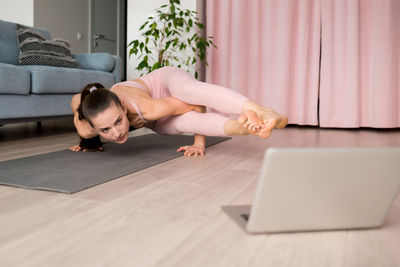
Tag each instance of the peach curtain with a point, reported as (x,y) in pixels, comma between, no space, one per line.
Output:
(269,51)
(360,74)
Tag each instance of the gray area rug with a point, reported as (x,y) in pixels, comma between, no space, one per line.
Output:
(69,172)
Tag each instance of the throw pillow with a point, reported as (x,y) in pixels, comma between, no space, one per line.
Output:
(36,50)
(24,32)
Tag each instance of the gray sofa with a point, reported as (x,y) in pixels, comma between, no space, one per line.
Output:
(37,92)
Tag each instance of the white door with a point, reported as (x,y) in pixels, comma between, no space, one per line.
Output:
(108,28)
(104,26)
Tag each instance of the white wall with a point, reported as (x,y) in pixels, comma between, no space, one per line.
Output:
(20,11)
(137,12)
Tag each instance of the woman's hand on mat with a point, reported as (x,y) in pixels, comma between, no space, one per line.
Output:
(192,150)
(78,148)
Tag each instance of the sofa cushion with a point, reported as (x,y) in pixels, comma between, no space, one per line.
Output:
(96,61)
(36,50)
(14,80)
(51,80)
(23,107)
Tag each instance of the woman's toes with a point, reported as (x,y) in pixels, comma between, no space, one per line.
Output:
(242,119)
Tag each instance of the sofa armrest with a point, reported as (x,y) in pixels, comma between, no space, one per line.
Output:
(117,71)
(96,61)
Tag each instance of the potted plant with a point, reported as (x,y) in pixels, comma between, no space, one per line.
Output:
(170,38)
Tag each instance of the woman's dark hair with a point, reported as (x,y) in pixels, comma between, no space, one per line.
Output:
(91,144)
(94,100)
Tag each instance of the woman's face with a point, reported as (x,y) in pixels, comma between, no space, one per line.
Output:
(112,124)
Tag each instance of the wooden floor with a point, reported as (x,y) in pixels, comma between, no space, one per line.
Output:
(169,215)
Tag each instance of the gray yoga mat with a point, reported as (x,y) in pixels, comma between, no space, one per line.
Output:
(69,172)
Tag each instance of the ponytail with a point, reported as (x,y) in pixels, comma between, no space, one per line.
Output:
(85,92)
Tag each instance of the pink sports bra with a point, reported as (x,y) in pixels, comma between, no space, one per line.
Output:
(130,101)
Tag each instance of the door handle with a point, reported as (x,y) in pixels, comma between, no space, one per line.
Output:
(97,36)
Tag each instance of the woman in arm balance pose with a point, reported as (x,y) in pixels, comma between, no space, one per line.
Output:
(169,101)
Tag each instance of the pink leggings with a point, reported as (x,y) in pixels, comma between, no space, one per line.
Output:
(170,81)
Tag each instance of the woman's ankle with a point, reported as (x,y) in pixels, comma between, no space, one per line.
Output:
(234,127)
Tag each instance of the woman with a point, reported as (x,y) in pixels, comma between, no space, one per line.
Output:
(169,101)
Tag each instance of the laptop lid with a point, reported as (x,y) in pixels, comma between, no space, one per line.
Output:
(308,189)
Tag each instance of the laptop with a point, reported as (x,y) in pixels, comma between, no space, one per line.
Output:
(314,189)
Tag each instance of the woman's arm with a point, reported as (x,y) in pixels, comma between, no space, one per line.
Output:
(197,149)
(84,129)
(153,109)
(168,106)
(89,139)
(199,145)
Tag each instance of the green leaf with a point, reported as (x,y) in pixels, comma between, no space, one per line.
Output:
(194,36)
(136,43)
(199,25)
(211,42)
(144,25)
(176,33)
(156,65)
(190,22)
(142,65)
(167,44)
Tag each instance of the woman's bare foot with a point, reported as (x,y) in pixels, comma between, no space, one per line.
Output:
(250,121)
(255,125)
(266,114)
